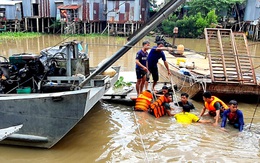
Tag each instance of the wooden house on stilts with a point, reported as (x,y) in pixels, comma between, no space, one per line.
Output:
(124,17)
(10,15)
(82,16)
(38,15)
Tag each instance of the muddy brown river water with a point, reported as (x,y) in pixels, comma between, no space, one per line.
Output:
(114,133)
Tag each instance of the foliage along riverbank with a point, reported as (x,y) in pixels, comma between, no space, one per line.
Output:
(19,35)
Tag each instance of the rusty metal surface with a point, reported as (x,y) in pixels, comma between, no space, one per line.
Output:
(127,11)
(72,7)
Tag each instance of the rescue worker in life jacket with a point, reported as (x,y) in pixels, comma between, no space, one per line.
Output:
(161,106)
(215,106)
(234,116)
(143,101)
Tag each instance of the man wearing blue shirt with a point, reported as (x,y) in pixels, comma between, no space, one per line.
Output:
(234,116)
(155,54)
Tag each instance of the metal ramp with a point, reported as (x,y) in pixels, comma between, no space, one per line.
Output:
(229,60)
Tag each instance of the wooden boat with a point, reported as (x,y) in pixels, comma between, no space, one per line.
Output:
(227,71)
(50,103)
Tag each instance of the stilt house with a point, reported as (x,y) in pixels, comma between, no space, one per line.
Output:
(82,16)
(10,15)
(123,17)
(38,14)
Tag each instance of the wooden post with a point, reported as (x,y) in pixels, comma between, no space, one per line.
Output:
(31,25)
(42,25)
(62,24)
(124,30)
(26,24)
(74,27)
(85,28)
(48,25)
(94,27)
(116,30)
(90,30)
(175,33)
(78,27)
(108,29)
(100,27)
(132,29)
(37,24)
(15,25)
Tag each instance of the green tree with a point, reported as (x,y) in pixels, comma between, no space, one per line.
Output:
(204,6)
(189,26)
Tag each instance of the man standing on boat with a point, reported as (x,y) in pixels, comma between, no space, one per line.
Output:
(234,116)
(155,54)
(214,105)
(141,69)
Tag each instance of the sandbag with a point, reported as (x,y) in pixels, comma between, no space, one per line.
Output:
(110,72)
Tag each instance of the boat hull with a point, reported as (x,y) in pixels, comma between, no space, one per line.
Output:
(195,85)
(48,117)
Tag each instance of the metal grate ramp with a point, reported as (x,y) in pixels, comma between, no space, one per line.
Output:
(224,63)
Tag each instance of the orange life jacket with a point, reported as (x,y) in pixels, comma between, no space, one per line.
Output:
(210,106)
(157,108)
(143,101)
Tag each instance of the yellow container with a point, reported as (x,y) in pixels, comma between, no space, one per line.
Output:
(181,60)
(180,49)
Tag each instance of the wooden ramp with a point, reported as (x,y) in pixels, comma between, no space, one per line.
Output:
(229,59)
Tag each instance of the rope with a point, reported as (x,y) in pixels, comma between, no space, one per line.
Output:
(173,90)
(255,110)
(141,138)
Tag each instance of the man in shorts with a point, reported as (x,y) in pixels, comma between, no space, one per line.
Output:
(140,68)
(155,54)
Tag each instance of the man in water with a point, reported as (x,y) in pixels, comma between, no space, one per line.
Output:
(234,116)
(184,101)
(187,118)
(141,69)
(214,105)
(155,54)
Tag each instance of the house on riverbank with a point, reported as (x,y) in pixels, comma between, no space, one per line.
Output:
(38,15)
(10,15)
(82,16)
(74,16)
(98,16)
(252,16)
(124,17)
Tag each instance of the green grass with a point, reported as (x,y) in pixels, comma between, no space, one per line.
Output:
(18,35)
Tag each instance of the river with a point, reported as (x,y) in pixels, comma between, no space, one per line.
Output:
(114,133)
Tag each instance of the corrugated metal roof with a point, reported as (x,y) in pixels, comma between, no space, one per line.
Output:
(73,7)
(10,2)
